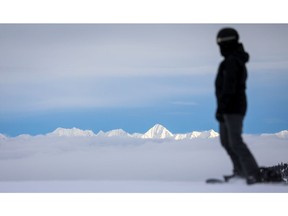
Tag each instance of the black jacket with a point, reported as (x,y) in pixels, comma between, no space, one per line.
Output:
(230,83)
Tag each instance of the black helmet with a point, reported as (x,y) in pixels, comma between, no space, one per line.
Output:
(227,35)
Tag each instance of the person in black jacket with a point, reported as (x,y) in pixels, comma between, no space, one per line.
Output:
(230,87)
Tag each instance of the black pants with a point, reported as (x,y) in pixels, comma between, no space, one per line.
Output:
(230,135)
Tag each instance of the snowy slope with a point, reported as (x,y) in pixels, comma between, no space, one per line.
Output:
(71,132)
(197,134)
(117,132)
(136,187)
(157,132)
(282,134)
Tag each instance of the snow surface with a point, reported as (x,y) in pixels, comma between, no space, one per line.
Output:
(101,163)
(136,187)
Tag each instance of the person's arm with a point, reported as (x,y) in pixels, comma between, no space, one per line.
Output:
(229,84)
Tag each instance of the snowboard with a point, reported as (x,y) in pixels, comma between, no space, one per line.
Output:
(215,181)
(267,175)
(225,179)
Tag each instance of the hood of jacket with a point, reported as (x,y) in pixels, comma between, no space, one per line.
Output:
(237,50)
(241,53)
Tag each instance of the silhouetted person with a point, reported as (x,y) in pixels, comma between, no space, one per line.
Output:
(232,104)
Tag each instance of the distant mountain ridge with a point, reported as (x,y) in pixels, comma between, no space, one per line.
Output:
(158,131)
(71,132)
(282,134)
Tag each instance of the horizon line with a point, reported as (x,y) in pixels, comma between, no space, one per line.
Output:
(128,133)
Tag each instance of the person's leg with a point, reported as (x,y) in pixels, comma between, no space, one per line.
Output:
(224,139)
(234,124)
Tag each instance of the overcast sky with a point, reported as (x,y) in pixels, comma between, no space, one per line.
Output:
(130,76)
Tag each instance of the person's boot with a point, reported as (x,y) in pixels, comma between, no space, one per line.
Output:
(255,178)
(234,175)
(252,179)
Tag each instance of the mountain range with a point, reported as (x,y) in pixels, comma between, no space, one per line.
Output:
(156,132)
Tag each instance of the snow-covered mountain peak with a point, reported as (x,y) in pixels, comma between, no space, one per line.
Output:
(282,134)
(117,132)
(197,134)
(208,134)
(100,133)
(71,132)
(157,131)
(212,134)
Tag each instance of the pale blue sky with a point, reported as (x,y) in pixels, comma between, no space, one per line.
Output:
(131,76)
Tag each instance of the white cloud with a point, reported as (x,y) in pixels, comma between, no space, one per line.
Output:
(111,158)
